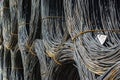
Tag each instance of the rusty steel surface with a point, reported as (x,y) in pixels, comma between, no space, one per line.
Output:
(59,40)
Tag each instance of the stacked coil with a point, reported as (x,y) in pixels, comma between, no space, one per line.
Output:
(59,40)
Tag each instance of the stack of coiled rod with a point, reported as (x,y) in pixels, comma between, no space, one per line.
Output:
(59,40)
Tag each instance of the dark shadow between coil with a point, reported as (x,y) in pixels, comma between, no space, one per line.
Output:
(66,72)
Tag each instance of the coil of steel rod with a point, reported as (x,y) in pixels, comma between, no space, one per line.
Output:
(88,19)
(59,40)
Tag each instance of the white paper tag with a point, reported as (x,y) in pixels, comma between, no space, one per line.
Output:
(102,38)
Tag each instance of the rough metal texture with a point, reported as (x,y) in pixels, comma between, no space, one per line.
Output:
(57,40)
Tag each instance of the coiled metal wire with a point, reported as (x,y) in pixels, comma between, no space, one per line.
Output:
(59,40)
(87,19)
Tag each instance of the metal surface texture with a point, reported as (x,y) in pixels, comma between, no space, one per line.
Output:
(59,40)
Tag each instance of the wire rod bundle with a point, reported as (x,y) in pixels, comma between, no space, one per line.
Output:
(83,16)
(59,40)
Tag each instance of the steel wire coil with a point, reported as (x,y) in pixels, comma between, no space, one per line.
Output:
(59,40)
(83,16)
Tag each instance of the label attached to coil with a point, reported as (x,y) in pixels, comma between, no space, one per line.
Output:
(102,38)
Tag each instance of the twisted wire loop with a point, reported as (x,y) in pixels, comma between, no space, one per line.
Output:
(53,29)
(59,40)
(40,52)
(83,17)
(28,23)
(56,42)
